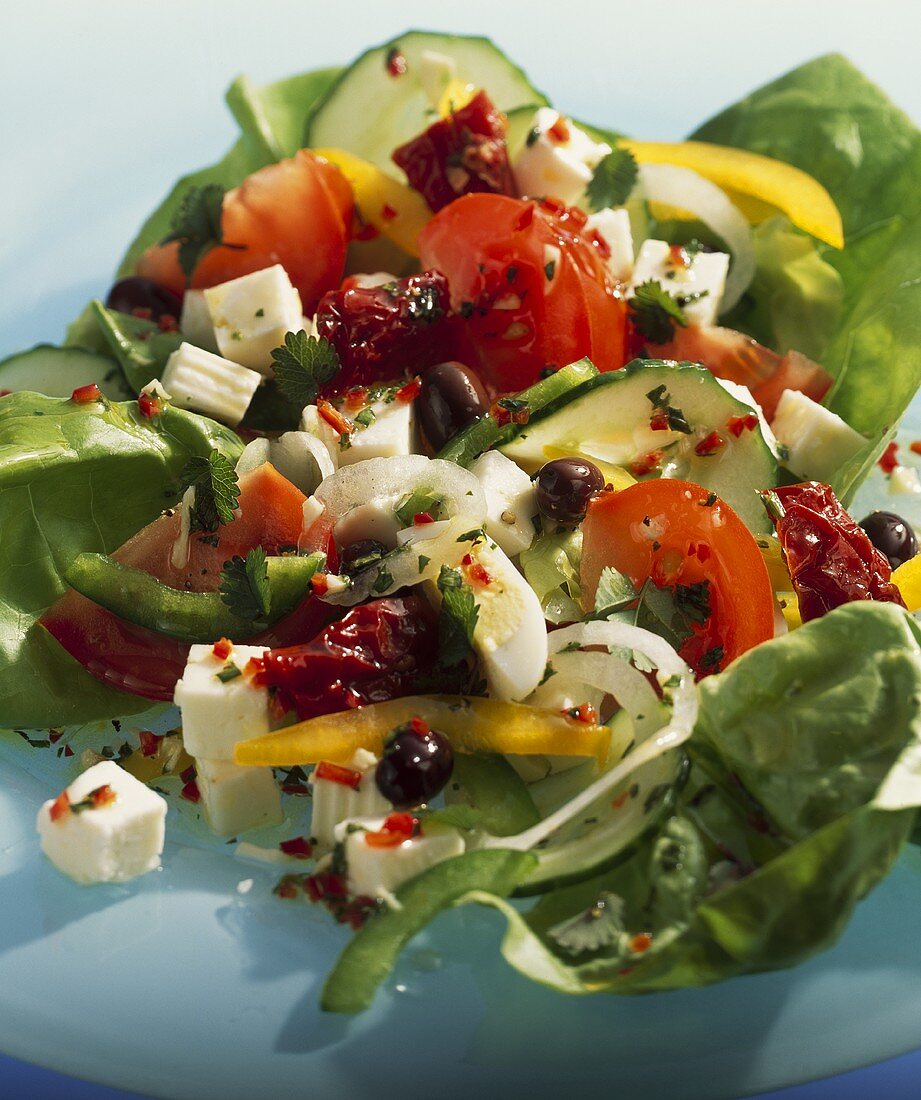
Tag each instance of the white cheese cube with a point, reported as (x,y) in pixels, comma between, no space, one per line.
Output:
(195,321)
(217,713)
(392,432)
(321,429)
(704,274)
(376,872)
(511,501)
(558,168)
(252,314)
(904,480)
(110,842)
(334,802)
(208,384)
(236,799)
(613,226)
(298,456)
(818,441)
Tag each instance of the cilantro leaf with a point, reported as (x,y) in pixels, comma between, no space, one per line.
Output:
(613,180)
(615,592)
(196,225)
(655,312)
(302,365)
(216,487)
(245,586)
(601,925)
(670,612)
(457,619)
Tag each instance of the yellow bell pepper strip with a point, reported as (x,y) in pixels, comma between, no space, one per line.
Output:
(789,605)
(457,94)
(778,574)
(392,207)
(907,578)
(760,185)
(471,725)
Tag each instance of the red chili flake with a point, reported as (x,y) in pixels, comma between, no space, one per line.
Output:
(700,550)
(410,391)
(889,459)
(419,726)
(298,846)
(709,445)
(59,807)
(641,942)
(559,131)
(420,519)
(396,62)
(646,463)
(190,792)
(625,970)
(319,584)
(387,212)
(620,800)
(915,447)
(336,773)
(313,887)
(678,256)
(102,796)
(658,422)
(333,417)
(150,742)
(584,713)
(738,424)
(475,571)
(54,736)
(148,405)
(166,322)
(367,232)
(254,666)
(286,889)
(510,411)
(188,775)
(356,398)
(68,751)
(397,828)
(83,395)
(222,648)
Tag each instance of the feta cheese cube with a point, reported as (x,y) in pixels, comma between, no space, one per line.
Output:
(252,314)
(321,429)
(208,384)
(818,441)
(298,456)
(558,166)
(375,872)
(110,842)
(236,799)
(391,432)
(511,501)
(613,227)
(195,321)
(334,802)
(704,274)
(217,713)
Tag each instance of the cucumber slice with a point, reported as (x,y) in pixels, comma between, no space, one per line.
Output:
(369,112)
(57,372)
(607,418)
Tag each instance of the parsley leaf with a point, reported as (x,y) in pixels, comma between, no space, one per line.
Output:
(457,619)
(670,612)
(613,180)
(196,225)
(655,312)
(302,365)
(245,586)
(615,592)
(217,490)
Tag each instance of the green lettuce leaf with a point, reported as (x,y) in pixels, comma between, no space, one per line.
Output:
(76,478)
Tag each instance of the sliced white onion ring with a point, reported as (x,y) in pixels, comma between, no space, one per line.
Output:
(686,190)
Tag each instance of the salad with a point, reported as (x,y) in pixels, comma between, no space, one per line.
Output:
(475,482)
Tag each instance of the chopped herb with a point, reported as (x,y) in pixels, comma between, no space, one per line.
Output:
(216,490)
(710,501)
(236,334)
(302,365)
(571,647)
(472,536)
(366,417)
(260,313)
(196,225)
(655,312)
(457,619)
(550,269)
(670,613)
(658,792)
(549,671)
(713,658)
(674,418)
(693,601)
(533,136)
(245,586)
(227,673)
(601,925)
(613,180)
(382,582)
(423,562)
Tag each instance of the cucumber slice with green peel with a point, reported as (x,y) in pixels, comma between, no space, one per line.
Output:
(370,112)
(608,419)
(57,372)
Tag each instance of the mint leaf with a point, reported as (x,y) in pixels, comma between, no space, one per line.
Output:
(196,225)
(217,490)
(302,365)
(655,312)
(457,619)
(613,180)
(245,586)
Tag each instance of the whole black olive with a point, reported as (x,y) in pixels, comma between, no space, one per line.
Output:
(565,486)
(452,396)
(891,535)
(416,764)
(144,298)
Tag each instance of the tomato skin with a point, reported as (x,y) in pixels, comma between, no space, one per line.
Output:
(522,315)
(296,213)
(667,531)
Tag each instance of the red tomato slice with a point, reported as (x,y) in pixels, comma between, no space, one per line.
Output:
(533,288)
(296,213)
(677,533)
(141,662)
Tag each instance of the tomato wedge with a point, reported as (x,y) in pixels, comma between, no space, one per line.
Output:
(675,533)
(144,663)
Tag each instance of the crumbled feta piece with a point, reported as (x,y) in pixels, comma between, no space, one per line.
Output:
(817,440)
(613,227)
(216,712)
(435,71)
(236,799)
(334,802)
(511,501)
(704,274)
(559,159)
(109,842)
(391,432)
(195,321)
(155,388)
(208,384)
(252,314)
(904,479)
(298,456)
(321,429)
(375,872)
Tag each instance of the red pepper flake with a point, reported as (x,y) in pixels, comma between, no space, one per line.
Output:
(559,131)
(166,322)
(55,735)
(143,313)
(222,648)
(709,445)
(410,391)
(387,212)
(420,519)
(356,398)
(397,828)
(68,751)
(190,791)
(254,666)
(700,550)
(641,942)
(149,406)
(738,424)
(475,571)
(60,807)
(889,459)
(915,447)
(150,742)
(367,232)
(83,395)
(419,726)
(510,410)
(646,463)
(658,422)
(319,584)
(286,889)
(620,800)
(396,62)
(584,713)
(298,846)
(188,775)
(678,256)
(102,796)
(333,417)
(336,773)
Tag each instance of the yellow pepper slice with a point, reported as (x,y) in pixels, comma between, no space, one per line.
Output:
(789,605)
(907,578)
(393,208)
(760,185)
(472,725)
(457,94)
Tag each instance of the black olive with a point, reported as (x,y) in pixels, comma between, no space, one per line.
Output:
(416,765)
(452,396)
(891,535)
(359,554)
(565,486)
(145,298)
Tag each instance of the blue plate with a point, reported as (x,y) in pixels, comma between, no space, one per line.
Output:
(186,982)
